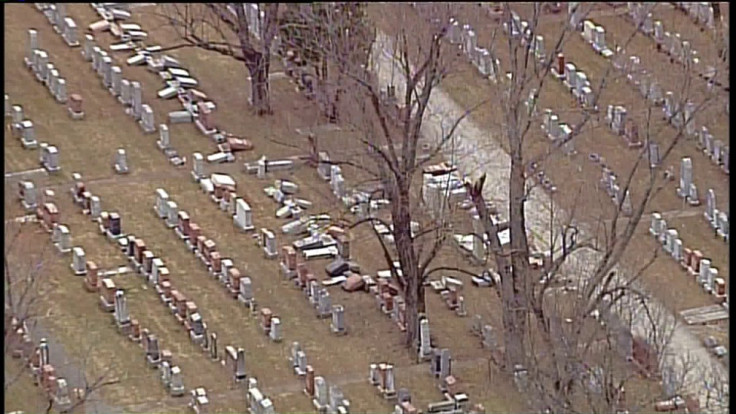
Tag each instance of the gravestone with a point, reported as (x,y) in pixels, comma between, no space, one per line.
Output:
(60,91)
(244,217)
(275,333)
(197,166)
(163,139)
(320,394)
(136,100)
(686,177)
(147,121)
(125,96)
(31,48)
(121,162)
(324,304)
(425,346)
(176,383)
(116,77)
(172,211)
(52,159)
(337,326)
(268,241)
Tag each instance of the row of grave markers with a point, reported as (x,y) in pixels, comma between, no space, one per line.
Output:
(692,261)
(677,115)
(718,220)
(671,43)
(324,399)
(186,313)
(111,298)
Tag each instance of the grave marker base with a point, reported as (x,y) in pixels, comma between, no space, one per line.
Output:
(30,145)
(63,251)
(105,305)
(76,272)
(75,115)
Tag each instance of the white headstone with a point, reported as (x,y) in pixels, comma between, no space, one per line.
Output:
(686,177)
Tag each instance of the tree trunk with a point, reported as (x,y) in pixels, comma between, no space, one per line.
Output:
(413,289)
(258,69)
(517,286)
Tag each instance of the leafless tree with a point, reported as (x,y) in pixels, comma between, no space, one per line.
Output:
(390,136)
(532,319)
(24,275)
(228,29)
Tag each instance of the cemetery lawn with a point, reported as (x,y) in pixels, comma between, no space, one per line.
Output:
(73,315)
(576,177)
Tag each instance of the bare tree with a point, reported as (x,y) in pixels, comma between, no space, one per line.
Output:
(533,320)
(243,31)
(389,128)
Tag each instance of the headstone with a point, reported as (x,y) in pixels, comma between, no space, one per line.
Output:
(75,107)
(172,210)
(121,162)
(320,393)
(147,121)
(197,166)
(243,216)
(116,77)
(654,226)
(136,100)
(176,383)
(60,91)
(240,373)
(425,347)
(32,46)
(213,346)
(268,241)
(275,333)
(338,320)
(87,49)
(125,96)
(324,304)
(704,271)
(710,205)
(677,250)
(106,70)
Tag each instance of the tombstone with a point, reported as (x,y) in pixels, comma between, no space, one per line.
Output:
(136,101)
(121,314)
(245,289)
(106,72)
(78,261)
(686,177)
(619,120)
(125,92)
(64,241)
(570,76)
(320,394)
(32,46)
(654,226)
(275,332)
(703,271)
(165,374)
(197,166)
(213,346)
(677,250)
(722,225)
(163,139)
(153,353)
(300,368)
(268,241)
(710,279)
(669,105)
(389,384)
(337,326)
(172,210)
(176,384)
(161,208)
(445,364)
(244,217)
(75,107)
(147,120)
(324,304)
(41,69)
(29,200)
(425,346)
(240,374)
(121,162)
